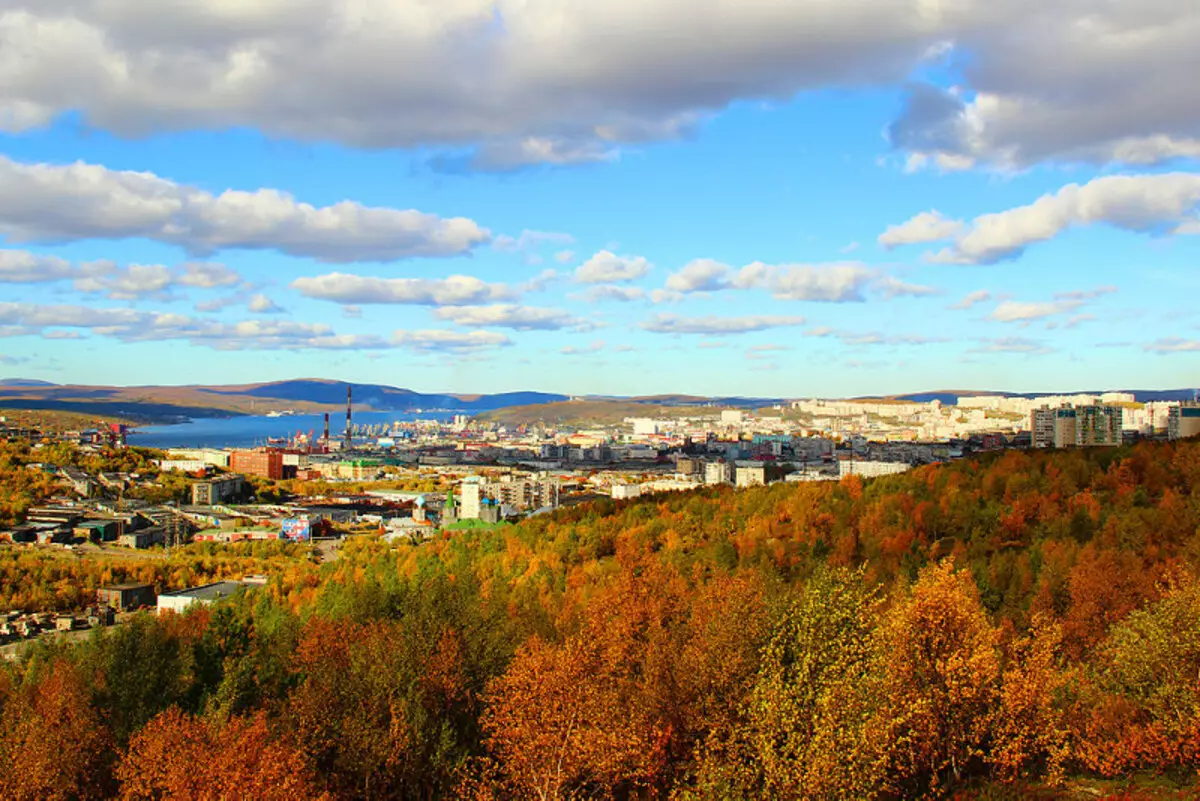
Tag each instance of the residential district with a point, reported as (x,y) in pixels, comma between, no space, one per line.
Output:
(465,472)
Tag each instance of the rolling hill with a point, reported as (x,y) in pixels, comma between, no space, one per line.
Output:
(165,403)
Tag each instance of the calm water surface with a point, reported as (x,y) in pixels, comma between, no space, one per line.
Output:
(242,432)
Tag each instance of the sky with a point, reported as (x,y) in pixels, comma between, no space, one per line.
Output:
(775,198)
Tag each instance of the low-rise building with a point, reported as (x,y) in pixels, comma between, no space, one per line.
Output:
(224,489)
(180,600)
(124,597)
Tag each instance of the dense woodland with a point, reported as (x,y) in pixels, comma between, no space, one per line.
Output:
(998,628)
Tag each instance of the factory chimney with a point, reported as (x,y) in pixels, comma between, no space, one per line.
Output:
(325,439)
(349,430)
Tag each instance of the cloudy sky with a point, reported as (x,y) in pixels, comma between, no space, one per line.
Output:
(772,197)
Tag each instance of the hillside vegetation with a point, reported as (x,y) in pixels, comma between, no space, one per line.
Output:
(1024,625)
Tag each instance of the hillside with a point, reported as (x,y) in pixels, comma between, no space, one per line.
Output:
(587,412)
(156,404)
(1025,625)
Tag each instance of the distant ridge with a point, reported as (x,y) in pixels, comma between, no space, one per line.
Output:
(166,403)
(25,382)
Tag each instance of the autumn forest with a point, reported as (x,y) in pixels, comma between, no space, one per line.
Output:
(1018,625)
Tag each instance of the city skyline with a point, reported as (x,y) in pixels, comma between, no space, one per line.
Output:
(769,199)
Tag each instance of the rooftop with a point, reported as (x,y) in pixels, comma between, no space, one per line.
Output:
(209,592)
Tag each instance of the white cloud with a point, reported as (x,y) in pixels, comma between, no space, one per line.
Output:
(1070,82)
(608,268)
(23,267)
(711,325)
(1173,345)
(205,275)
(505,83)
(928,226)
(1011,311)
(1012,345)
(455,290)
(530,240)
(623,294)
(261,304)
(973,299)
(507,315)
(1087,294)
(129,283)
(1148,204)
(837,282)
(450,341)
(64,203)
(860,339)
(891,287)
(529,243)
(564,256)
(700,275)
(595,347)
(541,281)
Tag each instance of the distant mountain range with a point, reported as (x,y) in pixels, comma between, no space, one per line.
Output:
(161,403)
(153,403)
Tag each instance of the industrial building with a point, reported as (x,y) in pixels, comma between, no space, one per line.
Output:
(265,463)
(180,600)
(225,489)
(124,597)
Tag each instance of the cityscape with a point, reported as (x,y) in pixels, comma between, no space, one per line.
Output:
(485,472)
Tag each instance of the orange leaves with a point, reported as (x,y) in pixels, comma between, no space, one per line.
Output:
(942,675)
(177,756)
(557,721)
(54,744)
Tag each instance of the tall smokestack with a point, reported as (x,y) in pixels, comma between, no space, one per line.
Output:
(326,438)
(349,430)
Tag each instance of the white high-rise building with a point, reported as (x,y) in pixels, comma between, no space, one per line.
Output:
(472,498)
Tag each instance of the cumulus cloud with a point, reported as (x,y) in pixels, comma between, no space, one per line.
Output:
(23,267)
(837,282)
(700,275)
(508,315)
(50,203)
(129,325)
(484,81)
(609,268)
(350,289)
(261,304)
(1160,204)
(712,325)
(1074,82)
(106,277)
(928,226)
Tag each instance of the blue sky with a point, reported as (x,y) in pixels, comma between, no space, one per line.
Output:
(763,198)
